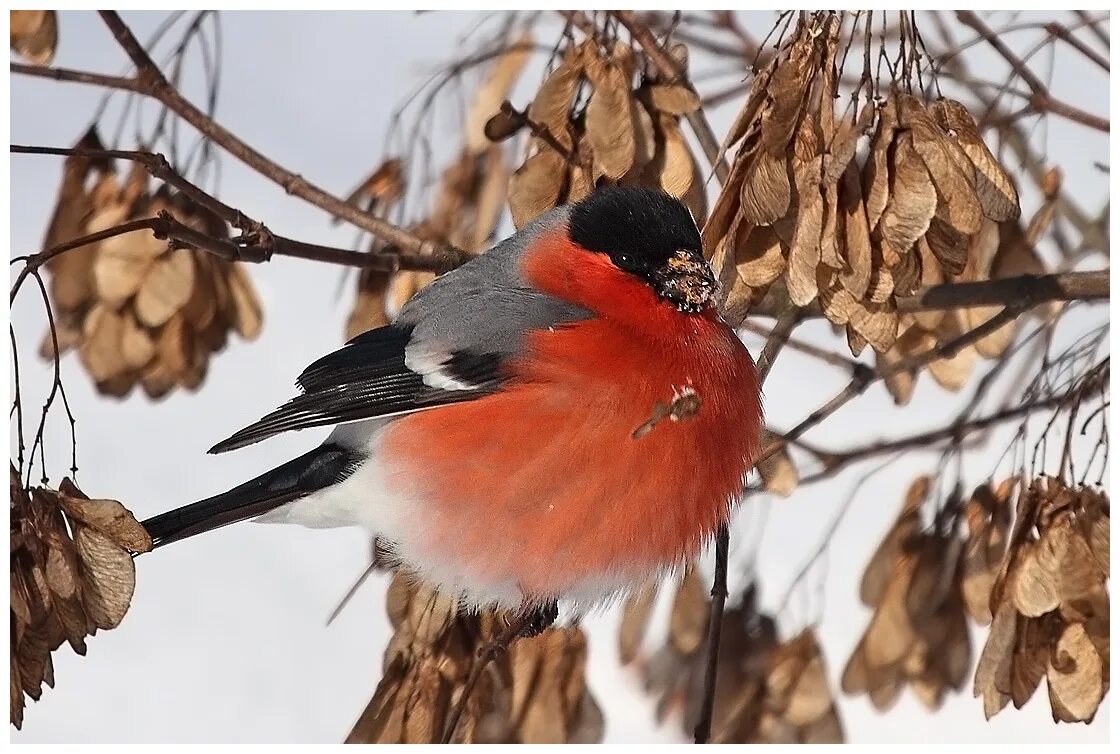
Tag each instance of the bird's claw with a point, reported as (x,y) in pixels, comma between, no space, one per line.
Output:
(540,618)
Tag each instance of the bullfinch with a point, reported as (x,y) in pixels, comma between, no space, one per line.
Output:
(490,435)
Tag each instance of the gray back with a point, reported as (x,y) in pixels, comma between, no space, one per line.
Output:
(486,306)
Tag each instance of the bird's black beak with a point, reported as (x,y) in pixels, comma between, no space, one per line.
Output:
(687,280)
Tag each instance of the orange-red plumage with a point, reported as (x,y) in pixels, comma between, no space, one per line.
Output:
(571,484)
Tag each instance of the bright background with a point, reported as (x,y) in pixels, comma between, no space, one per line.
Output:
(226,639)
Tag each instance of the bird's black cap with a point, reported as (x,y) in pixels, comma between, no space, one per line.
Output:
(633,224)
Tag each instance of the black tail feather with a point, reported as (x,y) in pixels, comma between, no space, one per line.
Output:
(325,465)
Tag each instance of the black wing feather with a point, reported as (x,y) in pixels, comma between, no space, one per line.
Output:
(373,353)
(368,378)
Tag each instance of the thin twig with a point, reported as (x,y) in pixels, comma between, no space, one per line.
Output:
(801,346)
(841,459)
(34,262)
(1042,100)
(1064,34)
(864,376)
(78,77)
(830,530)
(776,340)
(486,654)
(703,731)
(17,401)
(1094,25)
(1065,286)
(256,244)
(151,82)
(57,390)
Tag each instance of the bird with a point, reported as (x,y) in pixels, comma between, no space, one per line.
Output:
(562,418)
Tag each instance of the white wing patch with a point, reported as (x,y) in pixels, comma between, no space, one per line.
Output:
(430,366)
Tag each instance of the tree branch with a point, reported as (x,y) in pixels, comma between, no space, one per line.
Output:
(703,732)
(865,376)
(1064,34)
(1065,286)
(156,85)
(838,460)
(256,244)
(828,357)
(777,339)
(151,82)
(78,77)
(1042,100)
(35,261)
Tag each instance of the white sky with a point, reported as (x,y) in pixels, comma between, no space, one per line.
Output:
(225,641)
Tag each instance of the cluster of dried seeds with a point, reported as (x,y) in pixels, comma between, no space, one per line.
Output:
(800,211)
(72,573)
(767,690)
(594,120)
(918,635)
(1050,604)
(1044,580)
(597,118)
(534,693)
(138,310)
(999,250)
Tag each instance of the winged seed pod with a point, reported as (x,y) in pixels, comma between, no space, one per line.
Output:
(918,635)
(996,250)
(592,126)
(381,191)
(34,35)
(1050,603)
(767,691)
(71,572)
(465,213)
(137,310)
(534,693)
(800,210)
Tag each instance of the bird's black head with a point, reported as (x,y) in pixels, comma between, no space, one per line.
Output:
(651,235)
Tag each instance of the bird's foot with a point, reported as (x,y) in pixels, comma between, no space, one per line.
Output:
(526,624)
(538,619)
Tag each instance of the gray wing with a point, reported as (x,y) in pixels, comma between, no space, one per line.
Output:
(484,307)
(450,343)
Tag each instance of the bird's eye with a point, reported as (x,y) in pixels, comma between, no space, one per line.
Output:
(628,262)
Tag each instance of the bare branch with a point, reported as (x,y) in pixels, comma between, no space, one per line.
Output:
(256,244)
(779,336)
(828,357)
(865,376)
(78,77)
(1094,25)
(151,82)
(1066,286)
(838,460)
(703,732)
(1064,34)
(777,339)
(1042,100)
